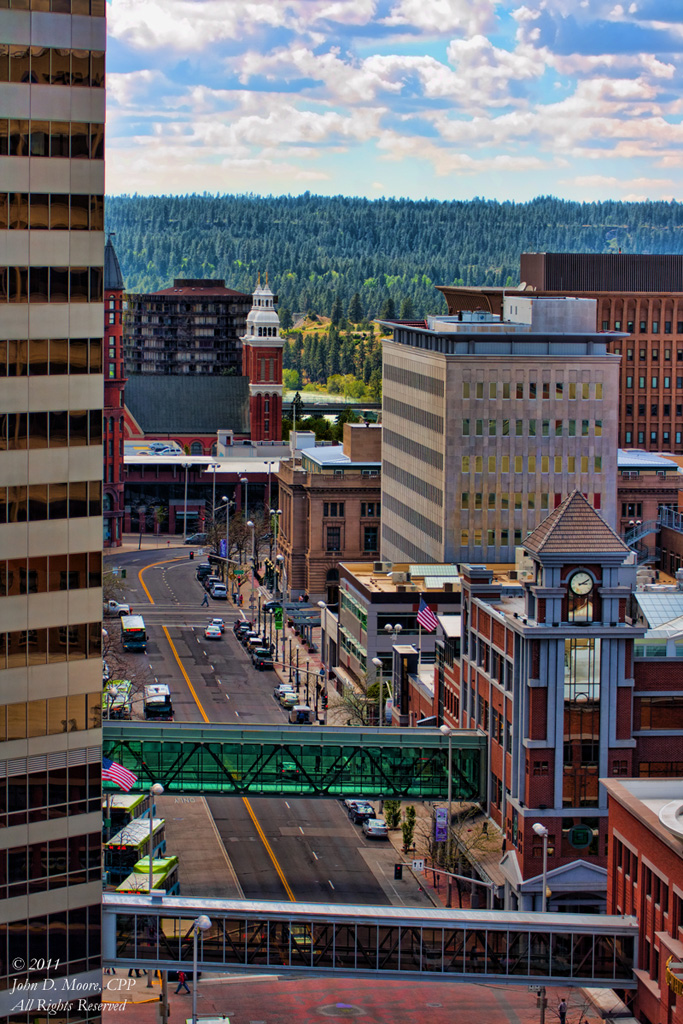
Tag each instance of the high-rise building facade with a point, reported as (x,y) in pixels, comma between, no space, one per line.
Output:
(488,424)
(114,388)
(193,327)
(52,100)
(641,295)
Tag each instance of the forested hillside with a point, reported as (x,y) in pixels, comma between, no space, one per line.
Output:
(318,250)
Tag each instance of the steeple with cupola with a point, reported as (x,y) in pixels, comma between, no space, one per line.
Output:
(262,364)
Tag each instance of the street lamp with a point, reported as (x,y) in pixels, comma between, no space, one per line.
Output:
(245,481)
(156,789)
(380,668)
(186,466)
(270,463)
(274,529)
(394,630)
(201,923)
(283,566)
(542,831)
(214,466)
(251,526)
(446,730)
(226,506)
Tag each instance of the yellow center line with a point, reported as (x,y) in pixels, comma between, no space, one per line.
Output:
(250,811)
(269,850)
(153,565)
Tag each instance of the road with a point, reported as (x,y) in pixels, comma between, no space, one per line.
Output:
(300,849)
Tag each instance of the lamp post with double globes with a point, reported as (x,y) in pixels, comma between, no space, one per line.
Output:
(542,831)
(252,527)
(446,730)
(156,789)
(244,480)
(200,924)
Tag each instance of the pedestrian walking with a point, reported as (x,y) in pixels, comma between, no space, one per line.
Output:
(205,601)
(138,972)
(562,1011)
(182,982)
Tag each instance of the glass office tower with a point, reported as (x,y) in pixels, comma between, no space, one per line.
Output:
(52,106)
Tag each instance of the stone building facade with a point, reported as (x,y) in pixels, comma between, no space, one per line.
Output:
(113,417)
(489,425)
(330,503)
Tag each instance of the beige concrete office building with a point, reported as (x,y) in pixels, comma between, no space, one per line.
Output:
(52,106)
(489,423)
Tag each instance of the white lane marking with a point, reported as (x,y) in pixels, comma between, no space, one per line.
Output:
(331,886)
(286,804)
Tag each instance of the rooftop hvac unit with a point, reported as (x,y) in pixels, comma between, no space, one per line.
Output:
(399,577)
(381,566)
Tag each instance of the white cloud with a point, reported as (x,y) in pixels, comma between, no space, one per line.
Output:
(444,16)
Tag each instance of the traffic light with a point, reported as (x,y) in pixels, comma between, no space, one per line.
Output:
(323,700)
(398,872)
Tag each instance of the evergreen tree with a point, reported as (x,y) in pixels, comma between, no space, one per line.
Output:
(285,318)
(355,313)
(407,309)
(388,309)
(334,353)
(348,353)
(337,311)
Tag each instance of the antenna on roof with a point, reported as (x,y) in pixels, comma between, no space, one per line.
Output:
(259,279)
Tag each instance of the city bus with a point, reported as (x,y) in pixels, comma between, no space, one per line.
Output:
(133,633)
(127,847)
(164,876)
(158,705)
(117,699)
(122,808)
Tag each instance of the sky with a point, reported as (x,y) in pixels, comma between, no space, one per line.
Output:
(439,99)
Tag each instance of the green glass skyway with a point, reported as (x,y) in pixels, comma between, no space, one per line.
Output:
(299,760)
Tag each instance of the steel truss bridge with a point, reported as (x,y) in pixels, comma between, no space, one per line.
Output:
(270,937)
(300,760)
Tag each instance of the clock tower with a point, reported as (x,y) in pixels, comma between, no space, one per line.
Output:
(262,364)
(556,693)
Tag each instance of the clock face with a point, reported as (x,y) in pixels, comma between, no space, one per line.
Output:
(581,583)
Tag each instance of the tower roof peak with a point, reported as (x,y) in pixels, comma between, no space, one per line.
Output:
(574,527)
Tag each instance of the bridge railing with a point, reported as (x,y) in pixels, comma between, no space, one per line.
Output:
(507,947)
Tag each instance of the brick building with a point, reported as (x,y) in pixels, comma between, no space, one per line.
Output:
(194,327)
(645,879)
(113,414)
(489,424)
(330,503)
(547,672)
(636,293)
(646,483)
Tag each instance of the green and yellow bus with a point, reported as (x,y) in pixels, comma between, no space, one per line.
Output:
(133,633)
(164,876)
(128,846)
(117,699)
(122,808)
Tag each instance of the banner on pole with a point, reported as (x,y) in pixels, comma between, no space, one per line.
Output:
(441,825)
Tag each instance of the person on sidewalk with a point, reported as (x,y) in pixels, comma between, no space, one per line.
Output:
(205,601)
(562,1011)
(182,982)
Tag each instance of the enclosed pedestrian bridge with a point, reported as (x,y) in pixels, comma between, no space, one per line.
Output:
(300,761)
(270,937)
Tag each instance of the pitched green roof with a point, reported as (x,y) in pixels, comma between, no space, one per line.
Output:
(183,403)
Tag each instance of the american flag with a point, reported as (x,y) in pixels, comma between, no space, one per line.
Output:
(426,617)
(113,772)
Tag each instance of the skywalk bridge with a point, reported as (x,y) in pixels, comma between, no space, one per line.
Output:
(299,760)
(460,946)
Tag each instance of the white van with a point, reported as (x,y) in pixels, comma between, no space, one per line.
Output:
(301,714)
(219,592)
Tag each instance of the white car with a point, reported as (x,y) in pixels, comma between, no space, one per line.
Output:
(218,622)
(213,632)
(376,828)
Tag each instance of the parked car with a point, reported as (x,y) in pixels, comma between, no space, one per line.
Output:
(282,688)
(352,801)
(271,606)
(196,538)
(204,569)
(361,812)
(246,636)
(219,592)
(262,659)
(213,633)
(289,699)
(301,714)
(240,624)
(255,641)
(375,828)
(218,622)
(209,581)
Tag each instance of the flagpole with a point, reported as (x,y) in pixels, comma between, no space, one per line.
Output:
(419,645)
